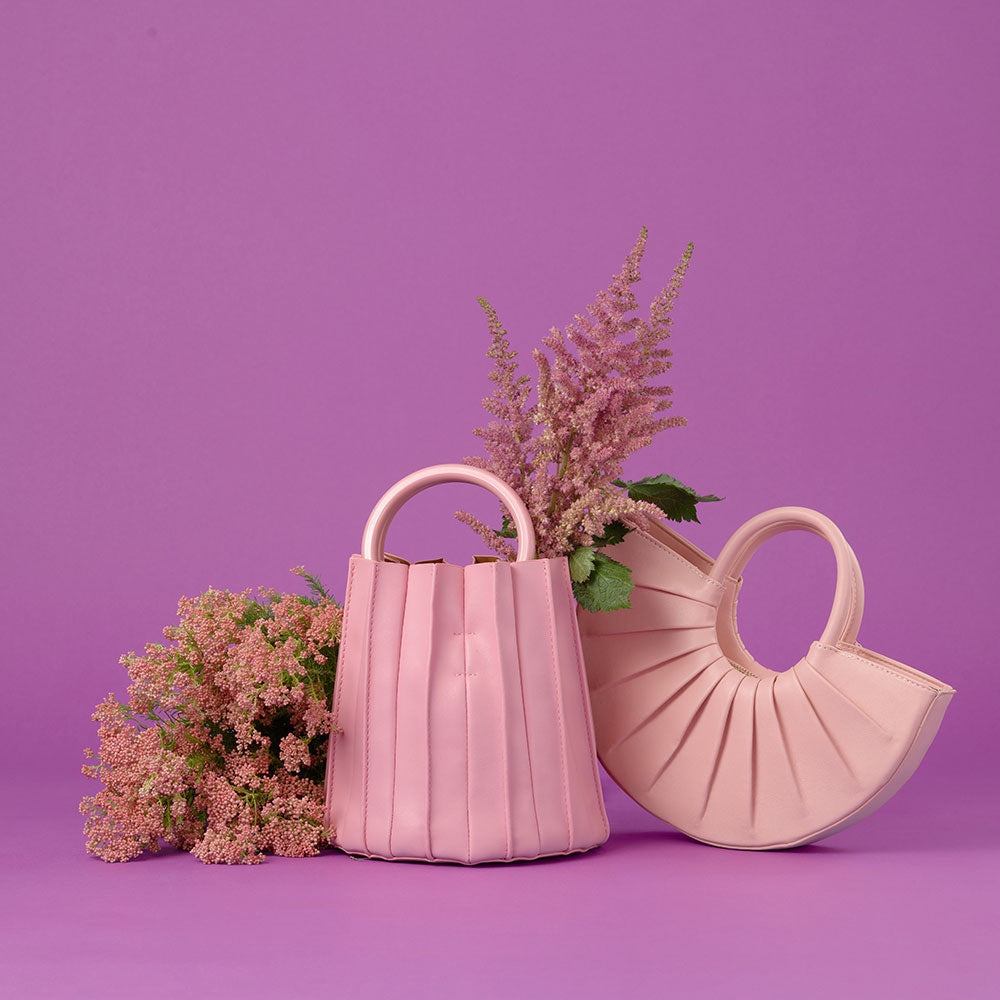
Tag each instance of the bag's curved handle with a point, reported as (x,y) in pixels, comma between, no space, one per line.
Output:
(373,541)
(849,598)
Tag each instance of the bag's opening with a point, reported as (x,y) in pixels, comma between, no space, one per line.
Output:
(423,562)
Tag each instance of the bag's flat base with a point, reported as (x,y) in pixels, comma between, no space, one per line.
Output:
(361,855)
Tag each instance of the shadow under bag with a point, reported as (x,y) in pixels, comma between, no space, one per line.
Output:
(725,749)
(464,731)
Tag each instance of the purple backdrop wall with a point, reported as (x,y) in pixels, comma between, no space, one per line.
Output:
(242,244)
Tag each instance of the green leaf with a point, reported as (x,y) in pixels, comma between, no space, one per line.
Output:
(254,613)
(507,529)
(677,501)
(608,588)
(581,563)
(316,586)
(614,533)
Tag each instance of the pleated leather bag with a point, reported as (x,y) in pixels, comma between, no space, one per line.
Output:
(464,731)
(724,749)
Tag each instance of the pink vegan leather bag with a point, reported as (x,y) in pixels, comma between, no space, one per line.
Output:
(725,749)
(464,731)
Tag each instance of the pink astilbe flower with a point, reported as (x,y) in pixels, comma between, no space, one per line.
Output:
(507,437)
(220,749)
(488,534)
(294,753)
(598,401)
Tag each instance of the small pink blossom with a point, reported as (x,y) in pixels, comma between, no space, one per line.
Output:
(294,753)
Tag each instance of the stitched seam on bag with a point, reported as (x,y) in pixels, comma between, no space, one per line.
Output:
(524,709)
(501,720)
(878,666)
(587,714)
(684,562)
(395,721)
(854,590)
(427,707)
(558,698)
(368,707)
(741,646)
(852,561)
(754,760)
(337,698)
(465,674)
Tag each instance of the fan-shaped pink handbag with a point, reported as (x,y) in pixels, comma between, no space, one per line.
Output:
(724,749)
(464,725)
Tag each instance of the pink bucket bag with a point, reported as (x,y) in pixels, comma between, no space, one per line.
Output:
(725,749)
(464,731)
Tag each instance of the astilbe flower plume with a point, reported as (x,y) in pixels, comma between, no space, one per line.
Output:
(598,401)
(220,747)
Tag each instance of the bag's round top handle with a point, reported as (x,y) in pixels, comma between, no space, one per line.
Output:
(849,598)
(373,541)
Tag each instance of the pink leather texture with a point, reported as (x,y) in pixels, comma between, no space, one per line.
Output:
(726,750)
(465,732)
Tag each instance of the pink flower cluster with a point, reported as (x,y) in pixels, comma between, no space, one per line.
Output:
(597,403)
(220,748)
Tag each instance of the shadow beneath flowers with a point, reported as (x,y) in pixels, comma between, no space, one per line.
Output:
(165,851)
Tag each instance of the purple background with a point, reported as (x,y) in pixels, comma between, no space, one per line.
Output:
(242,244)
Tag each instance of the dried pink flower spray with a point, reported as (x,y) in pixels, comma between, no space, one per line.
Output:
(220,748)
(598,401)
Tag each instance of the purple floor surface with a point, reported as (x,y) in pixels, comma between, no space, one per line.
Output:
(902,905)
